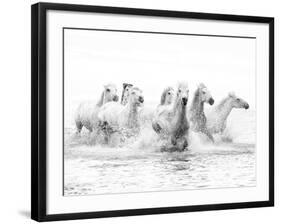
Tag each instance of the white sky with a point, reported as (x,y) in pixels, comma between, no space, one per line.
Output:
(153,62)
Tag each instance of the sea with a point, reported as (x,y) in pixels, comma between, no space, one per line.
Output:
(139,165)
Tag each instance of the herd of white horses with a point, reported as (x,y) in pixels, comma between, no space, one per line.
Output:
(172,119)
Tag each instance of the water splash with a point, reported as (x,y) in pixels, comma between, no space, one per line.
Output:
(136,163)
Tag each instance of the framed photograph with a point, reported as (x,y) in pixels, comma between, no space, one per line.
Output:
(141,111)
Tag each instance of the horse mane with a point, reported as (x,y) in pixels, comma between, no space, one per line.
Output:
(136,88)
(195,100)
(196,95)
(200,107)
(182,84)
(201,85)
(163,96)
(100,102)
(223,101)
(230,95)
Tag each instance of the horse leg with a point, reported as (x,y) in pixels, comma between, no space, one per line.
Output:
(185,143)
(209,135)
(103,126)
(226,136)
(174,140)
(87,125)
(107,132)
(222,128)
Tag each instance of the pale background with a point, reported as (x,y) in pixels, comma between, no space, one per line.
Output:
(15,111)
(153,61)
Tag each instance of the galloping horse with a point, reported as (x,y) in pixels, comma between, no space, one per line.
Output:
(116,117)
(86,114)
(217,117)
(172,121)
(196,113)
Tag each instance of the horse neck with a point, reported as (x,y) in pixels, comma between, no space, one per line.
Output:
(176,104)
(101,100)
(183,113)
(180,110)
(224,109)
(165,101)
(122,98)
(132,113)
(125,100)
(164,98)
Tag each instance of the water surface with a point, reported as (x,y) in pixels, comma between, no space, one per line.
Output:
(139,165)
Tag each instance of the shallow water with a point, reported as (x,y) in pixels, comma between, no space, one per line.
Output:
(139,166)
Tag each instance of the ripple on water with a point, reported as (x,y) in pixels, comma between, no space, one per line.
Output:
(139,166)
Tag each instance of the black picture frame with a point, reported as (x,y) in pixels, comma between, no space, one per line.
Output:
(39,108)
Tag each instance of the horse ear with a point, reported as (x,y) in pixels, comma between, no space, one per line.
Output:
(127,84)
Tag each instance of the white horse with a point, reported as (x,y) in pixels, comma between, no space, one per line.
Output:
(217,117)
(125,93)
(86,114)
(196,113)
(114,116)
(171,121)
(167,96)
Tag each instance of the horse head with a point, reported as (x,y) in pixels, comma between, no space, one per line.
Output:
(167,96)
(125,93)
(205,94)
(136,96)
(238,102)
(110,93)
(182,93)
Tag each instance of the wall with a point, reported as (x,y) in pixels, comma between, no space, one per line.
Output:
(15,110)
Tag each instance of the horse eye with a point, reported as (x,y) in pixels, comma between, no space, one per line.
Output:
(238,99)
(169,93)
(179,91)
(108,90)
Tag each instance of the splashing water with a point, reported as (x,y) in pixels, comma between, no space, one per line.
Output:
(136,164)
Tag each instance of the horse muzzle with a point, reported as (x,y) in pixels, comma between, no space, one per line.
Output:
(115,98)
(184,101)
(141,99)
(246,106)
(211,101)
